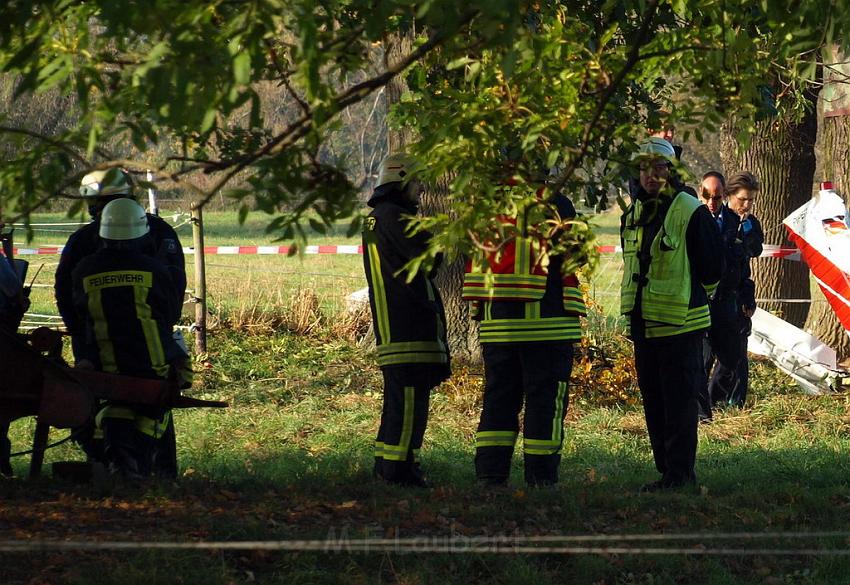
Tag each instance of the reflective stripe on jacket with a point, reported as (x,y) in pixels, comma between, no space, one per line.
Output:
(666,288)
(408,317)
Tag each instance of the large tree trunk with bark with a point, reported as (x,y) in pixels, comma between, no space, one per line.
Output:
(835,167)
(462,331)
(782,157)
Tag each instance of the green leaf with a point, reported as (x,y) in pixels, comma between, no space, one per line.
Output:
(242,68)
(354,227)
(317,226)
(209,120)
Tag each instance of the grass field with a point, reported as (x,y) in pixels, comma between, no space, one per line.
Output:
(291,459)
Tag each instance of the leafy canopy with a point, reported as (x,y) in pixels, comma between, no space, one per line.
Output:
(497,88)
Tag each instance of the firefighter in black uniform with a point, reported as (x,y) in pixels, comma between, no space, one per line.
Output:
(99,188)
(529,311)
(408,319)
(670,244)
(126,304)
(729,381)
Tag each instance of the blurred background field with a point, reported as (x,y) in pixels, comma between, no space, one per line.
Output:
(247,287)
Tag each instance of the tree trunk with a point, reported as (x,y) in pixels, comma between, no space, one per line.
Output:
(782,157)
(835,167)
(462,331)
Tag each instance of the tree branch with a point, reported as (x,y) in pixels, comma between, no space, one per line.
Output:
(303,125)
(632,60)
(59,145)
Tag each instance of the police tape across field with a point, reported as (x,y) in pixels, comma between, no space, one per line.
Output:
(770,251)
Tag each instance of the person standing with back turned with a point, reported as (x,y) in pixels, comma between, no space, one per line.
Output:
(408,319)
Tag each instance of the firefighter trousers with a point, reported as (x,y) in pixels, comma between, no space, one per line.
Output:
(403,420)
(670,371)
(536,374)
(137,446)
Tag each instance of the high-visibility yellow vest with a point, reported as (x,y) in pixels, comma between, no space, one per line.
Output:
(666,295)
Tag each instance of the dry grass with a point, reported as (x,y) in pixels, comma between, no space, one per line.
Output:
(353,324)
(302,314)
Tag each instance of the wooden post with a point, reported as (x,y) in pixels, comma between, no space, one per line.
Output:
(39,446)
(200,280)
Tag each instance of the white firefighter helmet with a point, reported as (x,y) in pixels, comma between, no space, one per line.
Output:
(123,219)
(655,147)
(397,168)
(106,183)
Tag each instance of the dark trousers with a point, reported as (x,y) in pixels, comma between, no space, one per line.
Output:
(134,454)
(670,372)
(536,374)
(730,378)
(403,421)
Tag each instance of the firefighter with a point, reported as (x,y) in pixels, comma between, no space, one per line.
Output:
(127,307)
(408,319)
(98,188)
(529,311)
(670,243)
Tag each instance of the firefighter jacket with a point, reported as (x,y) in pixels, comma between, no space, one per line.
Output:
(161,243)
(673,261)
(126,303)
(408,317)
(521,295)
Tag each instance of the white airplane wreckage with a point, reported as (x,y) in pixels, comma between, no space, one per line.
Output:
(821,232)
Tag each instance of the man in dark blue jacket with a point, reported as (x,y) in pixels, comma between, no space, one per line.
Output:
(721,343)
(127,307)
(408,318)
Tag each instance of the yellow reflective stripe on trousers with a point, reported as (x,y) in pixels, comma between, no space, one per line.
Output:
(399,452)
(495,438)
(710,288)
(413,358)
(558,419)
(380,293)
(149,426)
(105,348)
(550,446)
(397,346)
(151,331)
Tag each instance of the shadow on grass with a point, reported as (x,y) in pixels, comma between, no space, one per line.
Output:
(293,493)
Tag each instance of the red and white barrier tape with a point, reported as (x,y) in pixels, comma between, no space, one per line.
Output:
(219,250)
(770,251)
